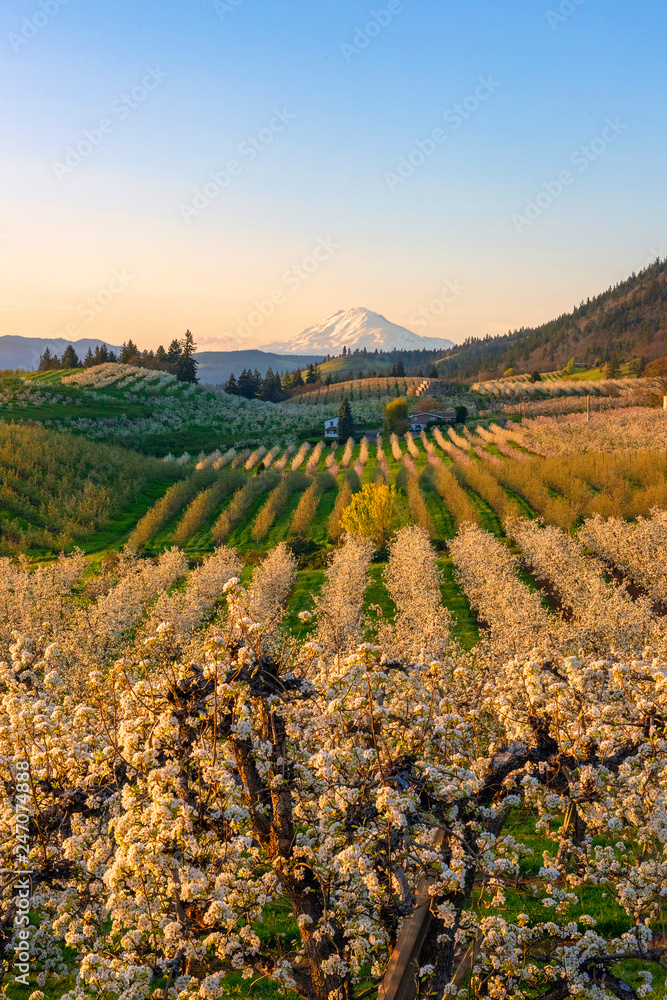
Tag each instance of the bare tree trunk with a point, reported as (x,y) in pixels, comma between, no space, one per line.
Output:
(400,979)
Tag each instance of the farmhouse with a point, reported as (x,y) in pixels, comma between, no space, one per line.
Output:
(331,428)
(420,421)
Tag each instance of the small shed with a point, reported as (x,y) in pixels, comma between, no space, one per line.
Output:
(331,428)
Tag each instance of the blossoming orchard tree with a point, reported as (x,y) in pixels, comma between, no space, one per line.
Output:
(416,827)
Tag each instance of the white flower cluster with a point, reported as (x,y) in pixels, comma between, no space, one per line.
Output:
(200,776)
(521,386)
(181,799)
(638,550)
(113,373)
(634,429)
(576,403)
(339,603)
(169,406)
(603,612)
(421,631)
(487,571)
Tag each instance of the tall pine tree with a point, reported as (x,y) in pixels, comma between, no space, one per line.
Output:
(69,359)
(246,384)
(46,361)
(187,366)
(129,354)
(174,352)
(231,385)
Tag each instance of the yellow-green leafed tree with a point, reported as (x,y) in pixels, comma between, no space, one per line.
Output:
(376,512)
(396,416)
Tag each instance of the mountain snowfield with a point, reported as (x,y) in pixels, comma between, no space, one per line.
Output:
(355,329)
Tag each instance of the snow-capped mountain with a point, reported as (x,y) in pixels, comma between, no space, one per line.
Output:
(356,328)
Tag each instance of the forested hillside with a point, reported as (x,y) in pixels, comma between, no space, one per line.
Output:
(626,321)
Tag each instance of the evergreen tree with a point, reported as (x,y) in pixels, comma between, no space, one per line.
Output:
(400,368)
(161,355)
(612,368)
(433,372)
(46,361)
(268,386)
(231,385)
(187,366)
(328,380)
(70,359)
(130,354)
(271,389)
(173,353)
(246,384)
(297,378)
(89,360)
(103,355)
(345,421)
(311,377)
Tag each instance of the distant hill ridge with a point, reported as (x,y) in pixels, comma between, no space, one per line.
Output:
(25,352)
(215,367)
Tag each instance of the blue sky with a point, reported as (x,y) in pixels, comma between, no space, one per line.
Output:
(116,117)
